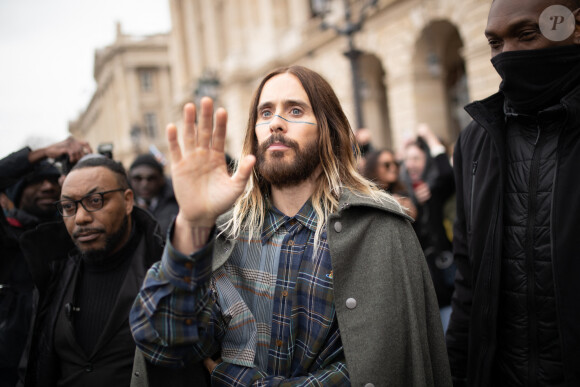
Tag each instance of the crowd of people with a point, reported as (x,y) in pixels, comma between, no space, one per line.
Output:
(307,265)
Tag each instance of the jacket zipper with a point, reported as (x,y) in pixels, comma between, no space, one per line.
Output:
(530,264)
(471,200)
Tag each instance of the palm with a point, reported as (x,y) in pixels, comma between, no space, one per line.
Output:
(203,188)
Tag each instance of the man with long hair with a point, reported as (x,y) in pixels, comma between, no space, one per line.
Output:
(295,270)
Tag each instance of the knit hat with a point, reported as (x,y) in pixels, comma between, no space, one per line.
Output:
(148,160)
(42,170)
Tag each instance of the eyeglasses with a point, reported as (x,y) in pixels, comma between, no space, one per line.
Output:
(389,164)
(91,203)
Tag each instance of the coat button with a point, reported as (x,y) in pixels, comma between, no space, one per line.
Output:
(337,226)
(137,373)
(369,385)
(279,343)
(351,303)
(89,368)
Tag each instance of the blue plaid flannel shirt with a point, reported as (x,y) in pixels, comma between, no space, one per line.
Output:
(269,311)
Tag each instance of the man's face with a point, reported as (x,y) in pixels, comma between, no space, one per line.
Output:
(514,25)
(146,181)
(415,160)
(100,233)
(38,197)
(287,133)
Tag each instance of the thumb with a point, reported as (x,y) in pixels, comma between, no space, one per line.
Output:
(244,170)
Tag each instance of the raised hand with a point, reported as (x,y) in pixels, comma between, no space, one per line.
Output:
(203,188)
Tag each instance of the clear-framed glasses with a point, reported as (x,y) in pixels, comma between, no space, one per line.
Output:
(91,203)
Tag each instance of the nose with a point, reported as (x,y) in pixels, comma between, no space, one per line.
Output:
(278,124)
(82,216)
(49,186)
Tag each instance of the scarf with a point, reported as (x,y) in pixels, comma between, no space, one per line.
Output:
(533,80)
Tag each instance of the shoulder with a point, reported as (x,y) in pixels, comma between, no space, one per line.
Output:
(383,205)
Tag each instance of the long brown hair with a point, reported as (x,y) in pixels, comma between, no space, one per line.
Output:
(337,147)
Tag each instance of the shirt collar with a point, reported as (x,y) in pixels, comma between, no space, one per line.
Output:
(276,219)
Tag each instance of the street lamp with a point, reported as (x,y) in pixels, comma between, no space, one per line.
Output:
(207,86)
(348,27)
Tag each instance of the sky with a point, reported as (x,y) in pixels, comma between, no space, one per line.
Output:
(46,60)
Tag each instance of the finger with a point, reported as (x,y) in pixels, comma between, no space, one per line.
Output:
(219,134)
(189,135)
(205,123)
(174,149)
(244,170)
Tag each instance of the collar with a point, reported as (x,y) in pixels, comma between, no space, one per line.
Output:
(275,219)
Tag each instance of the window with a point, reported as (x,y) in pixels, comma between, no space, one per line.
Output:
(146,80)
(151,124)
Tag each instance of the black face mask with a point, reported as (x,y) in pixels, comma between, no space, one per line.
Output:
(534,80)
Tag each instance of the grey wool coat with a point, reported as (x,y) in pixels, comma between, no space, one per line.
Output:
(385,302)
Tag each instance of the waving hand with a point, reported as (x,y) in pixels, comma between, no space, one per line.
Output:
(203,188)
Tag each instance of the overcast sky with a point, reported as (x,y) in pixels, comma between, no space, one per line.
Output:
(46,59)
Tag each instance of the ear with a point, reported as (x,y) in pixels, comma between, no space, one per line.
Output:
(129,201)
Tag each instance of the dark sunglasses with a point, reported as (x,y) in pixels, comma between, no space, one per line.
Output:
(389,164)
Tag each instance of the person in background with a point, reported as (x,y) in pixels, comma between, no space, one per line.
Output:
(312,277)
(382,169)
(428,176)
(153,191)
(516,307)
(81,335)
(30,183)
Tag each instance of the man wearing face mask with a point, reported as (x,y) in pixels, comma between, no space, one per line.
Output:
(515,308)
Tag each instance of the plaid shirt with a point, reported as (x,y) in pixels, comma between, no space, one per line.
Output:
(269,311)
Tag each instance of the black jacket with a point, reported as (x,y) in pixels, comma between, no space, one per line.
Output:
(114,352)
(480,171)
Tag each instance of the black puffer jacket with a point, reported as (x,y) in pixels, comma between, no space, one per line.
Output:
(482,172)
(529,346)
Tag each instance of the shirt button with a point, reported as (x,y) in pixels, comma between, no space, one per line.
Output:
(290,243)
(188,321)
(284,293)
(187,279)
(369,385)
(137,373)
(351,303)
(89,368)
(278,343)
(337,226)
(189,265)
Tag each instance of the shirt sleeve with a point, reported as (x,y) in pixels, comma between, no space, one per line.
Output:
(175,318)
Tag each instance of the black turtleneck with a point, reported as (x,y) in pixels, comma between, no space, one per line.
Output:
(98,287)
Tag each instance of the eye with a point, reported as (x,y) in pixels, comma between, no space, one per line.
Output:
(528,35)
(494,43)
(67,206)
(266,114)
(93,201)
(295,111)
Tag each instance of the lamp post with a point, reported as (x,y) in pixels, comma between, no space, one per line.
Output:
(207,86)
(349,27)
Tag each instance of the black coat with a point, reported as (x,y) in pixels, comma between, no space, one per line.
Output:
(480,173)
(114,352)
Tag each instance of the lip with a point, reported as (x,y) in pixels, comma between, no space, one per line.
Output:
(88,237)
(46,201)
(277,147)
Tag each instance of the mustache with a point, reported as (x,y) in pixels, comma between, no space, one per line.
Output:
(87,230)
(279,138)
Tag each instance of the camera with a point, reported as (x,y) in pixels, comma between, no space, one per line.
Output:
(106,149)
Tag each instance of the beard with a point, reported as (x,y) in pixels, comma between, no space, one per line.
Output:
(282,173)
(99,256)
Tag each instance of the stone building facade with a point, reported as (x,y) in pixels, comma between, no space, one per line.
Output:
(420,61)
(132,102)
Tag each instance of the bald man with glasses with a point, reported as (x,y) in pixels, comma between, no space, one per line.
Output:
(81,335)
